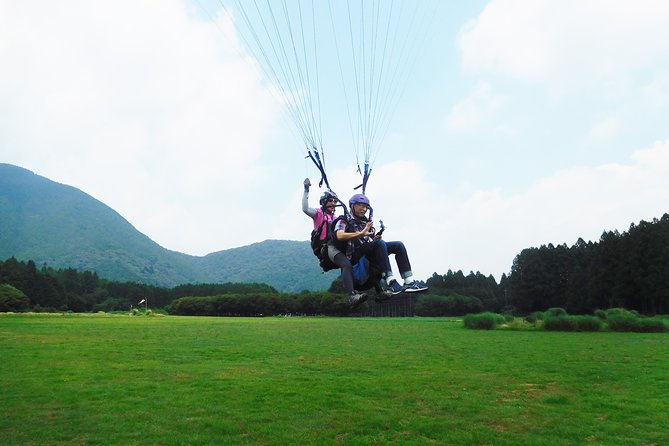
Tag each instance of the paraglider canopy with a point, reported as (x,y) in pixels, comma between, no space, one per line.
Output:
(372,46)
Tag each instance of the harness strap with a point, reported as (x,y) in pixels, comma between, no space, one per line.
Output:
(316,158)
(365,177)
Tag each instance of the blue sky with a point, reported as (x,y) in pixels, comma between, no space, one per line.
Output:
(525,122)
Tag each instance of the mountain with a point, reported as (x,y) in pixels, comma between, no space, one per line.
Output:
(62,226)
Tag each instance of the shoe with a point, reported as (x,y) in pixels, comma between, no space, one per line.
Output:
(356,298)
(394,287)
(415,287)
(383,295)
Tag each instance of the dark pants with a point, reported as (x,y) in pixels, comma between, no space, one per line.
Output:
(377,252)
(346,270)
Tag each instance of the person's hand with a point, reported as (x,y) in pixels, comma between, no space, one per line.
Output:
(307,184)
(367,229)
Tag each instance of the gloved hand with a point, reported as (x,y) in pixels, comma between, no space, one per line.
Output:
(307,184)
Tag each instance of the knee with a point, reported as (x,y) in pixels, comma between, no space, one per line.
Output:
(381,246)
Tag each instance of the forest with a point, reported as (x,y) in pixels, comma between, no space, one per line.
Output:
(622,270)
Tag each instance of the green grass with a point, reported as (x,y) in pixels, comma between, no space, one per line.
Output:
(106,380)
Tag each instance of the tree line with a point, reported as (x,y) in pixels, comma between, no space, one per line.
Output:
(622,270)
(628,270)
(49,289)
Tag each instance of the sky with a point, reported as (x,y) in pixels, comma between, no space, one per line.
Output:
(523,123)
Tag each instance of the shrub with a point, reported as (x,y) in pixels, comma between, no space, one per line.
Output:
(572,323)
(614,312)
(622,322)
(534,317)
(651,326)
(508,317)
(453,305)
(601,314)
(555,312)
(559,323)
(519,324)
(629,322)
(12,299)
(483,321)
(262,304)
(587,323)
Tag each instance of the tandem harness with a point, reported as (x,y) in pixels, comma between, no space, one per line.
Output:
(366,274)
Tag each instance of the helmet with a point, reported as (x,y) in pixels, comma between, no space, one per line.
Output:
(358,198)
(326,196)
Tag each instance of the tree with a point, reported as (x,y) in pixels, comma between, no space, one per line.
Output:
(12,299)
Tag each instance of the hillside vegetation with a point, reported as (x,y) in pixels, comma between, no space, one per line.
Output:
(63,227)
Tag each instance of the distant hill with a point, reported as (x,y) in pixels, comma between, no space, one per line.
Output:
(62,226)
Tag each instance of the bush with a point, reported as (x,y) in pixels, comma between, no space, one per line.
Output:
(651,326)
(614,312)
(262,304)
(601,314)
(453,305)
(622,322)
(12,299)
(483,321)
(587,323)
(534,317)
(629,322)
(559,323)
(555,312)
(519,324)
(572,323)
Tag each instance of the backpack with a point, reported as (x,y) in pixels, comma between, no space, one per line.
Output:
(320,246)
(316,242)
(366,274)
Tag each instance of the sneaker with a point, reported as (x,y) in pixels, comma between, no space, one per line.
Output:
(415,287)
(383,295)
(394,287)
(356,298)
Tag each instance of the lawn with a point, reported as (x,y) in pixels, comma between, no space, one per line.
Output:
(121,380)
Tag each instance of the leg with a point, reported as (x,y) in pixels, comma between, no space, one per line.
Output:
(346,271)
(339,258)
(377,253)
(401,257)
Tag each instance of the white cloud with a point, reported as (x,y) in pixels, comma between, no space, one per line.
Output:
(605,129)
(139,103)
(567,43)
(474,110)
(656,92)
(488,228)
(484,230)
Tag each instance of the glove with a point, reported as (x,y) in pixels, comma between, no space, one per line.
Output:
(307,184)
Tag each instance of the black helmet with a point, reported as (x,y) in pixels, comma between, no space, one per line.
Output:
(326,196)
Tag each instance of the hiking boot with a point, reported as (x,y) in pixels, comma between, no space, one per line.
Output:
(394,287)
(415,287)
(383,295)
(356,298)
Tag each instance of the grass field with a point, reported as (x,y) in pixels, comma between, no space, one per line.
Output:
(120,380)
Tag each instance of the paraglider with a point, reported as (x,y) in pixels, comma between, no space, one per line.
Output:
(302,46)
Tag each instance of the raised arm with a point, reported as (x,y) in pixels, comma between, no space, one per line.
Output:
(311,212)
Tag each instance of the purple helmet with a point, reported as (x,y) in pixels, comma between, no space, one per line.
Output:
(358,198)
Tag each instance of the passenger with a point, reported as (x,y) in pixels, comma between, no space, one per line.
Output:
(322,217)
(356,237)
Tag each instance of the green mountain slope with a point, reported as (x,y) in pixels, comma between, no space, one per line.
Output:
(60,225)
(286,265)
